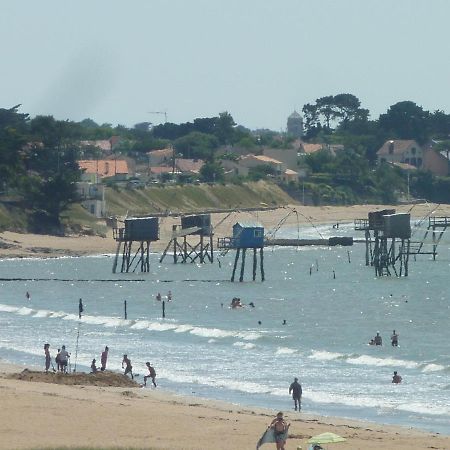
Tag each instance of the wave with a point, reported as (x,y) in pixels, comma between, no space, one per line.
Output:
(111,322)
(244,345)
(285,351)
(368,360)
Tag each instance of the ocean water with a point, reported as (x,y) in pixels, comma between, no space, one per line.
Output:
(206,349)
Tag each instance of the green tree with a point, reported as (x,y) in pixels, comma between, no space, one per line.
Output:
(406,120)
(212,171)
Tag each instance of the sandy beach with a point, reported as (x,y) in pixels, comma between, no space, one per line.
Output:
(31,245)
(45,415)
(37,414)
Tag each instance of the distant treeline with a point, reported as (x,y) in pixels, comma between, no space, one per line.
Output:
(38,156)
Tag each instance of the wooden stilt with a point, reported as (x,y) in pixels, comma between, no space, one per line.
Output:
(241,277)
(236,259)
(261,264)
(255,262)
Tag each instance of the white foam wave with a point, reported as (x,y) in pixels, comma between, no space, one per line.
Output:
(433,368)
(285,351)
(24,311)
(7,308)
(367,360)
(325,356)
(244,345)
(42,313)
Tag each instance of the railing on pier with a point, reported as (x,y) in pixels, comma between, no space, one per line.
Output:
(361,224)
(439,222)
(227,242)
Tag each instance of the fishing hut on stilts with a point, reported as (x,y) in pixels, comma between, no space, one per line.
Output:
(137,230)
(245,236)
(185,250)
(388,248)
(436,227)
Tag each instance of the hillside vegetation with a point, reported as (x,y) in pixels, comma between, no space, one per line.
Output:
(190,198)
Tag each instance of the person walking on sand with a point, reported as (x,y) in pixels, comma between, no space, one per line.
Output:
(279,426)
(151,374)
(48,358)
(396,379)
(394,339)
(128,367)
(104,358)
(296,389)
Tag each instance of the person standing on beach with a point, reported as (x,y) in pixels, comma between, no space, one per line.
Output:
(63,359)
(394,339)
(104,358)
(151,374)
(296,389)
(280,427)
(128,367)
(48,358)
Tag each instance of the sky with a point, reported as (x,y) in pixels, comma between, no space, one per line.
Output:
(119,62)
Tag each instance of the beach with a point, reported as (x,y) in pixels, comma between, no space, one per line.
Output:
(45,415)
(153,418)
(31,245)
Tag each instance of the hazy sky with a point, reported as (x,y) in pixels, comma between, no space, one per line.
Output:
(115,61)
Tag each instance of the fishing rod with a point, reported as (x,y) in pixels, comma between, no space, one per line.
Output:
(80,310)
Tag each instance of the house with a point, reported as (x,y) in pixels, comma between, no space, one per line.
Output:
(288,156)
(290,175)
(436,161)
(233,168)
(189,166)
(99,169)
(160,157)
(157,172)
(410,153)
(251,160)
(406,151)
(106,146)
(92,197)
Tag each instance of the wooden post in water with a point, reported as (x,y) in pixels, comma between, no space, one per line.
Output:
(255,263)
(261,253)
(164,309)
(236,259)
(125,309)
(241,277)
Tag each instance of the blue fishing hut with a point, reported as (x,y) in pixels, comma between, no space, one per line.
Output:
(142,230)
(246,235)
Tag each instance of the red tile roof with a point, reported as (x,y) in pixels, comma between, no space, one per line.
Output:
(189,165)
(104,168)
(399,146)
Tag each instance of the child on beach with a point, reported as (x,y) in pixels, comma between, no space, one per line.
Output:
(128,366)
(48,358)
(151,374)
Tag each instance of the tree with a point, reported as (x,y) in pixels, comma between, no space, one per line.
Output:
(196,145)
(406,120)
(212,171)
(13,129)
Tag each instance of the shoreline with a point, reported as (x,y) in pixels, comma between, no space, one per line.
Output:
(124,416)
(22,245)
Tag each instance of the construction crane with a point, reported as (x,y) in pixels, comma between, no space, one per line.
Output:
(160,112)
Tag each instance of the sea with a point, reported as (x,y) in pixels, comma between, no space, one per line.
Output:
(312,318)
